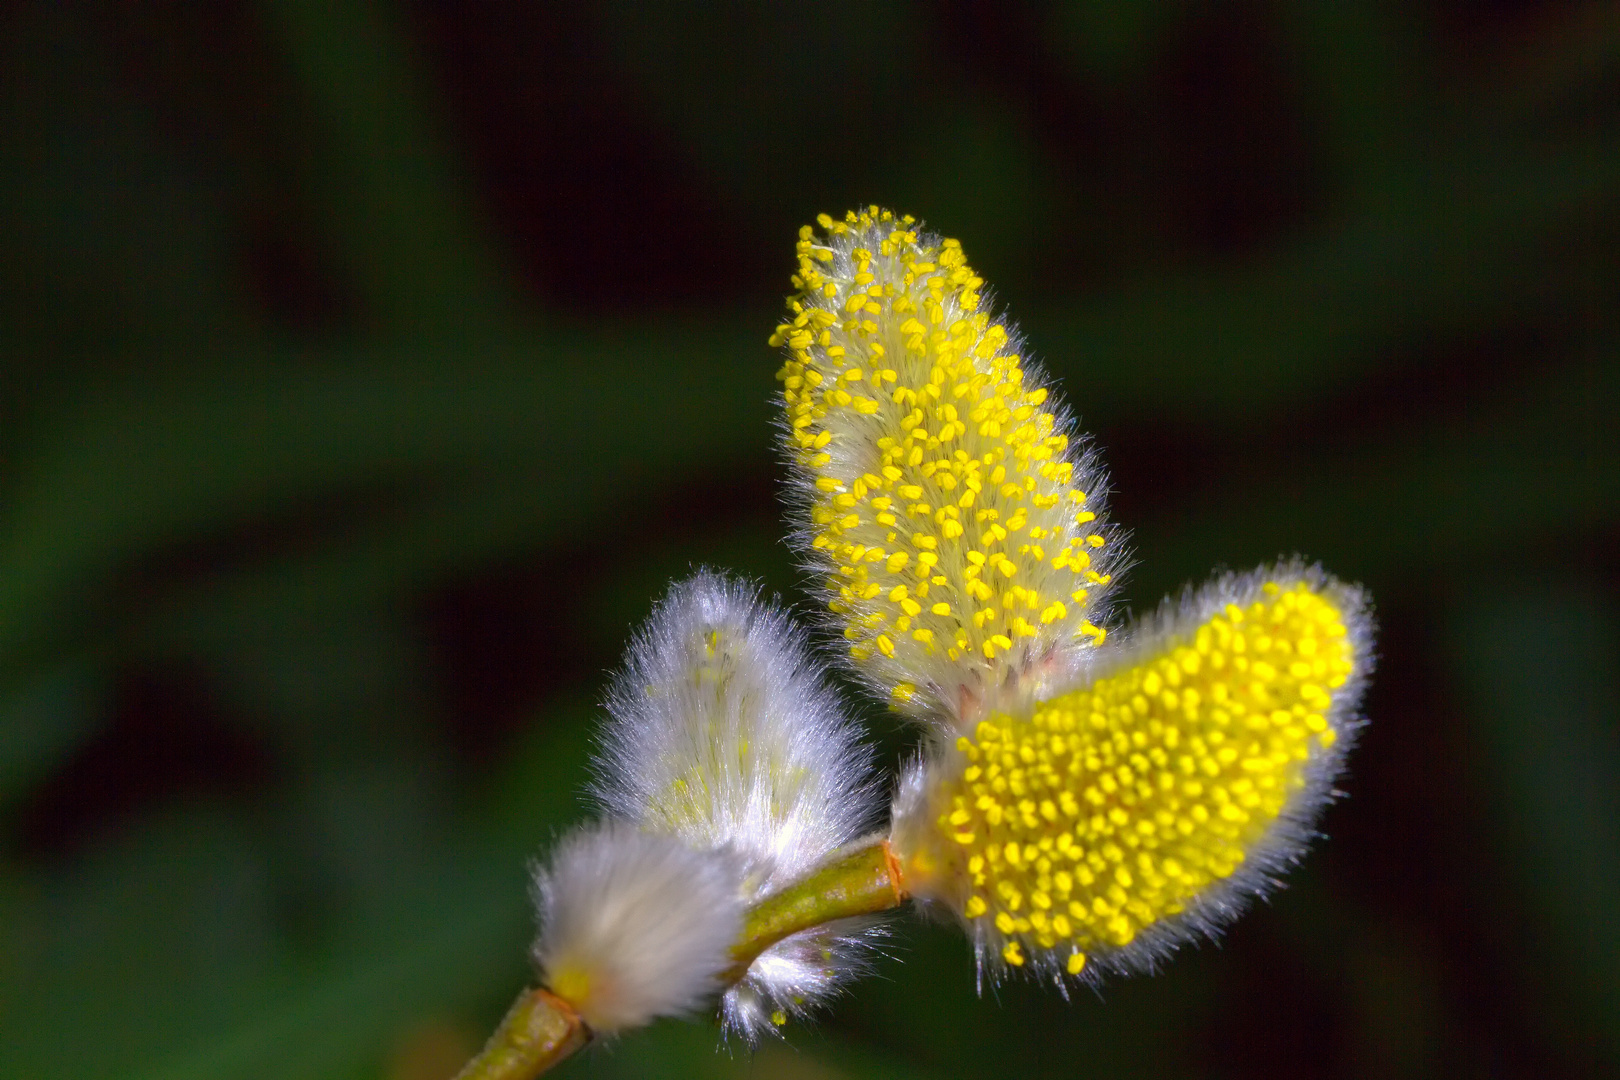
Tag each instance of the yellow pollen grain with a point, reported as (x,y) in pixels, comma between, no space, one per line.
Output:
(1114,807)
(917,432)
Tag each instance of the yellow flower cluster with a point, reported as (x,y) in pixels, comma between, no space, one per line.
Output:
(947,507)
(1077,799)
(1118,806)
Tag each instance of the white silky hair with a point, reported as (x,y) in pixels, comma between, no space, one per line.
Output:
(725,732)
(633,925)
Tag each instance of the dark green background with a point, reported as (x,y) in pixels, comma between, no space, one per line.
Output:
(366,370)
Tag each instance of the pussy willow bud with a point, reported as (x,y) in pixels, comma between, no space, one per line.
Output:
(1146,805)
(725,733)
(634,926)
(945,504)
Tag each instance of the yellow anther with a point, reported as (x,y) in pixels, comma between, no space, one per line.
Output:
(889,350)
(1113,807)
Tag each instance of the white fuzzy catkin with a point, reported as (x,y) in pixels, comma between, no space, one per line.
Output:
(725,733)
(634,926)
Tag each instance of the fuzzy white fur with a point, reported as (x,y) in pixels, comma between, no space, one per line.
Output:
(634,926)
(725,733)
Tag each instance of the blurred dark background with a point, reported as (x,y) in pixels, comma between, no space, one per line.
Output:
(366,370)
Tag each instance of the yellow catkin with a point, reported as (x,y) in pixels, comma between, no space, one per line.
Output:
(1115,807)
(947,509)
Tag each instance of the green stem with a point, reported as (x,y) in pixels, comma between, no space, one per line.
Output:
(538,1031)
(863,882)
